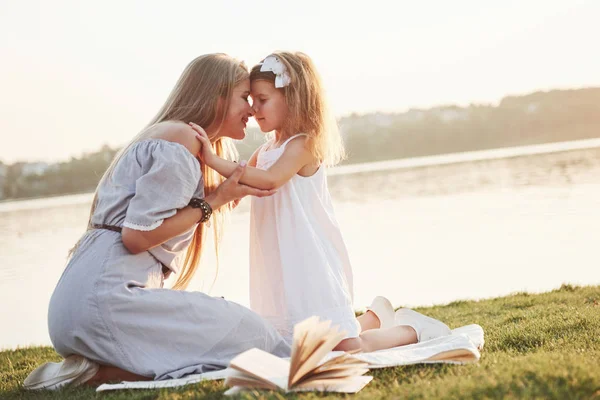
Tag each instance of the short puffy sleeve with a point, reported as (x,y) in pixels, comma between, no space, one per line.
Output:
(171,178)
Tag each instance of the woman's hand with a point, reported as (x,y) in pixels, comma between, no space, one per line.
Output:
(229,191)
(233,190)
(207,152)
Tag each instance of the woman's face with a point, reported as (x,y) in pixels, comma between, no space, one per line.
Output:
(238,113)
(269,105)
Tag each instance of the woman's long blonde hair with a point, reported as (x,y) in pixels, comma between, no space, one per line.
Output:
(196,98)
(308,109)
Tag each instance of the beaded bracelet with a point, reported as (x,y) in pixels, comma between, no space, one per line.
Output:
(204,206)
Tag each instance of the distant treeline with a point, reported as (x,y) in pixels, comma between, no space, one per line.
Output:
(541,117)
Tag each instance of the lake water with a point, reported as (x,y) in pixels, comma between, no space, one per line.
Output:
(421,232)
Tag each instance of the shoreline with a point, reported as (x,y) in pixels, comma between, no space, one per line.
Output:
(413,162)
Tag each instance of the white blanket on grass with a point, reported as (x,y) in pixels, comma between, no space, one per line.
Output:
(461,347)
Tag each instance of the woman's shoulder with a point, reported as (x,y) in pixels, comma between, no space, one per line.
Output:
(166,145)
(176,132)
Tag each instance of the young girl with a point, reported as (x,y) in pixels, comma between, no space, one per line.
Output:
(299,265)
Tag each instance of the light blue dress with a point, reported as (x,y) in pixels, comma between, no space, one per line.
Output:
(109,304)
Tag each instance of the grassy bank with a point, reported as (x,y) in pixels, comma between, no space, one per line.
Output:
(537,346)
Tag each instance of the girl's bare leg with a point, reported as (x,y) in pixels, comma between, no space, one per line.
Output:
(379,339)
(368,320)
(108,374)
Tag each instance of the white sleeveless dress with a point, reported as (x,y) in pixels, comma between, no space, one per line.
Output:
(299,264)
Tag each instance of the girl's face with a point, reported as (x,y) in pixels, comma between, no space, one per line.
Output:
(270,108)
(238,112)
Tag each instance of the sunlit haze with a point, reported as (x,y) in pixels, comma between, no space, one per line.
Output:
(76,75)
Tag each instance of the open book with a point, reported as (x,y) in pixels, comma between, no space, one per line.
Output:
(307,369)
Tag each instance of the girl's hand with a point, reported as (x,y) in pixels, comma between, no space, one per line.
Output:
(207,152)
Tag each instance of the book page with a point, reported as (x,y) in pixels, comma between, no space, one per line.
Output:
(263,366)
(334,373)
(326,342)
(301,330)
(343,363)
(339,367)
(313,332)
(346,385)
(241,379)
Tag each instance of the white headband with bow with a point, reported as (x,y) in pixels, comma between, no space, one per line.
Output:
(273,64)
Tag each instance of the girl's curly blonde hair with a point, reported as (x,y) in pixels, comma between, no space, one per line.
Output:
(308,110)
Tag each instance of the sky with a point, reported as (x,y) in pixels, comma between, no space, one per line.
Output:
(75,75)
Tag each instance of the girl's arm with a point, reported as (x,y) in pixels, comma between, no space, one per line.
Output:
(294,157)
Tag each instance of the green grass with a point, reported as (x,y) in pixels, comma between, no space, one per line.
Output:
(537,346)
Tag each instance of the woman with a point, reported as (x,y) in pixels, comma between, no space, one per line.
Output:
(109,315)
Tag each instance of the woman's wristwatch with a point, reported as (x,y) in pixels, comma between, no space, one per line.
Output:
(204,206)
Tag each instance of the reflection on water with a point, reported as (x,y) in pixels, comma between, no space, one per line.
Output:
(419,236)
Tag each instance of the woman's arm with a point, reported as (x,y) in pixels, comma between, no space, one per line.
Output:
(137,241)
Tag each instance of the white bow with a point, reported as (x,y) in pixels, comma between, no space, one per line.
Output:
(273,64)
